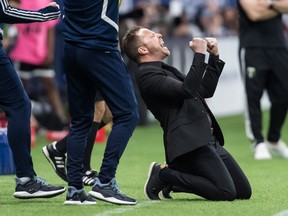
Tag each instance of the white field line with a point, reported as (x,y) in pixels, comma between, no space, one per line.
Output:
(282,213)
(126,208)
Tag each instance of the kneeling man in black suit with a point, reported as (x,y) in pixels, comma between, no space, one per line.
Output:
(196,160)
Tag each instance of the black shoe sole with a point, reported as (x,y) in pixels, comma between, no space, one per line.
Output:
(148,178)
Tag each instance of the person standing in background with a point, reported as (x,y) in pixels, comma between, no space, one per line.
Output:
(93,63)
(33,57)
(17,107)
(263,60)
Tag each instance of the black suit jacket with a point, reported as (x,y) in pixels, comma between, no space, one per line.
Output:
(177,102)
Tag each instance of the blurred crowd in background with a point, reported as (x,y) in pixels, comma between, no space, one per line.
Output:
(176,18)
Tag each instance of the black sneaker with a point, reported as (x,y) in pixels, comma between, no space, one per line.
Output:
(110,192)
(56,159)
(153,184)
(165,192)
(36,188)
(78,197)
(89,176)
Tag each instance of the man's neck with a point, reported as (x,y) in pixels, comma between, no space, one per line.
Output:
(145,59)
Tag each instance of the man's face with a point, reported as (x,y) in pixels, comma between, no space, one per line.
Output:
(154,43)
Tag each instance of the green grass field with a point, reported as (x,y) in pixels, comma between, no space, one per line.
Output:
(269,180)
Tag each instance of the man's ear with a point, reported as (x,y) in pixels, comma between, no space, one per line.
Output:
(142,50)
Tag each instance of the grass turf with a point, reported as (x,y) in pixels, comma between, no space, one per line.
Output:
(268,180)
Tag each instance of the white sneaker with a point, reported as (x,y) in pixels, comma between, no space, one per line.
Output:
(261,152)
(279,149)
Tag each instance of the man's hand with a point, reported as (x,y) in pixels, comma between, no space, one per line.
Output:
(258,10)
(198,45)
(53,4)
(212,46)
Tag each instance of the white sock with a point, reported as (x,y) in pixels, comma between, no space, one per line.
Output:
(24,179)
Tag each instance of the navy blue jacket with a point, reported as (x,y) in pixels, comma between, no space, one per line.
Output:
(91,24)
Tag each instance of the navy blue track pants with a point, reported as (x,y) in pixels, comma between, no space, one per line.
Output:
(89,71)
(16,104)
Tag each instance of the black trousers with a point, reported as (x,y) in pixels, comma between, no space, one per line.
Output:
(265,69)
(210,172)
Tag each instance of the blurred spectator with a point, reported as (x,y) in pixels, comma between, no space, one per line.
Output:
(209,19)
(191,7)
(230,19)
(33,56)
(126,7)
(217,18)
(181,27)
(10,31)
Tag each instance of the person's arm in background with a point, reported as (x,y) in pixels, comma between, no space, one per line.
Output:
(12,15)
(258,10)
(50,44)
(280,6)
